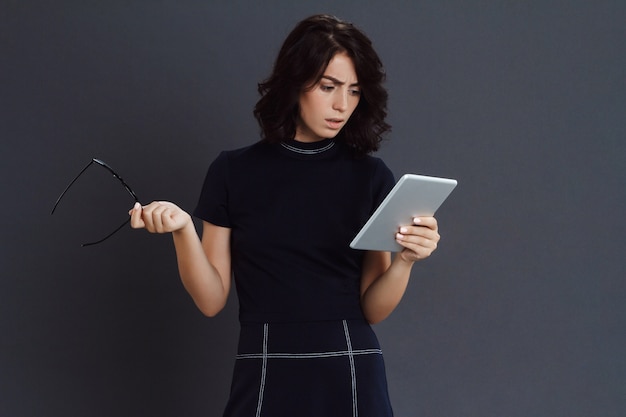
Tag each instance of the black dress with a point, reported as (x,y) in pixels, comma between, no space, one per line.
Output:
(305,348)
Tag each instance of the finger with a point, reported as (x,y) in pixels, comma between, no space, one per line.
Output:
(416,242)
(166,218)
(426,221)
(419,231)
(147,215)
(136,222)
(414,252)
(171,219)
(416,247)
(158,218)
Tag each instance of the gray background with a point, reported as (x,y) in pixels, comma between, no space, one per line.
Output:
(521,311)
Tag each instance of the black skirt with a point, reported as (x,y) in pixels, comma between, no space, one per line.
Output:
(311,369)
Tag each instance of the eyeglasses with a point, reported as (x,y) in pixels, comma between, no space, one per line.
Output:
(116,175)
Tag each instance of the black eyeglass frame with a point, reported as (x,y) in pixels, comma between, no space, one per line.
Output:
(118,177)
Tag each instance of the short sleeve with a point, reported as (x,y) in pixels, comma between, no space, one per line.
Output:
(213,202)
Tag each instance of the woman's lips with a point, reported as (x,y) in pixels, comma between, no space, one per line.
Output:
(334,123)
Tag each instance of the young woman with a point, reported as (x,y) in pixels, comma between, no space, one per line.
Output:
(279,216)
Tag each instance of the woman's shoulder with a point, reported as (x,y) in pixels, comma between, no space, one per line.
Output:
(371,163)
(241,160)
(255,150)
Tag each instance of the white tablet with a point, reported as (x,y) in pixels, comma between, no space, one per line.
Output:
(413,195)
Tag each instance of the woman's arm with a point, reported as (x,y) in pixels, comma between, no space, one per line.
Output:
(384,282)
(204,266)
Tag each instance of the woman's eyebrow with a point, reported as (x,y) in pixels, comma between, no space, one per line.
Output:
(336,81)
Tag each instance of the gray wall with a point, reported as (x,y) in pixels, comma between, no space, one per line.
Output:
(521,312)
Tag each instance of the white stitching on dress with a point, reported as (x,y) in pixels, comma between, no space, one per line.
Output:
(350,353)
(307,151)
(263,370)
(310,355)
(355,410)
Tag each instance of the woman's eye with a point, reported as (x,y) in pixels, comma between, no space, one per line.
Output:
(355,92)
(327,87)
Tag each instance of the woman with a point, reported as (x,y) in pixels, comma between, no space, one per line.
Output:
(279,215)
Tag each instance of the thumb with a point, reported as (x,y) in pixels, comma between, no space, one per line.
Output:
(136,222)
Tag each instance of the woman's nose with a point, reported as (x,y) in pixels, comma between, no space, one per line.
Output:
(341,101)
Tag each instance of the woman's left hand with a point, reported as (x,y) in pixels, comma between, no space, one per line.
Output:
(419,239)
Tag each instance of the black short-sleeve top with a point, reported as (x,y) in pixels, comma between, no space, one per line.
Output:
(293,209)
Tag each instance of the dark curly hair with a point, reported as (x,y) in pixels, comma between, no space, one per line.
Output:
(301,62)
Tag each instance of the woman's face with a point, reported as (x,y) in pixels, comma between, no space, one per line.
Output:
(326,107)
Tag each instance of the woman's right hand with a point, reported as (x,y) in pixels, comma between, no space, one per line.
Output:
(159,217)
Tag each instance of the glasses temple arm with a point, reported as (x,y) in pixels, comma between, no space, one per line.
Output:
(117,177)
(68,187)
(107,236)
